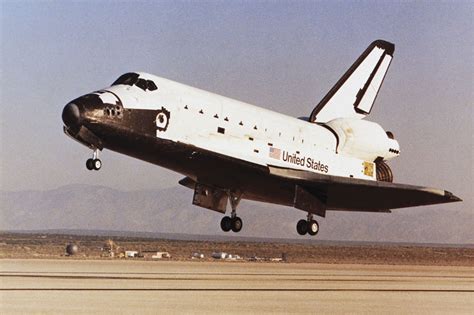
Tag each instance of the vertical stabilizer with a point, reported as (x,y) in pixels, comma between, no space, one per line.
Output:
(355,92)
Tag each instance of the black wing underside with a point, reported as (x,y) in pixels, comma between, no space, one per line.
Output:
(340,193)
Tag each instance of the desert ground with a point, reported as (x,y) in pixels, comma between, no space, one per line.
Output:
(37,277)
(44,286)
(52,246)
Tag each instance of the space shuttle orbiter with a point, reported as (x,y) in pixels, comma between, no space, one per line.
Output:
(228,150)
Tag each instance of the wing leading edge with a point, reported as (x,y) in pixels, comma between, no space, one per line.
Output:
(340,193)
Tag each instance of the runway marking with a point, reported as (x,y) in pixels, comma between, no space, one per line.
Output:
(9,273)
(239,290)
(312,279)
(189,279)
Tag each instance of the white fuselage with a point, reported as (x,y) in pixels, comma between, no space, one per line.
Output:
(243,131)
(228,150)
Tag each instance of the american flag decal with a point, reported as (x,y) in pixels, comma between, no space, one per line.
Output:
(274,153)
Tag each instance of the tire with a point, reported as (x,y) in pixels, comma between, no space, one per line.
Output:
(90,164)
(226,224)
(97,164)
(302,227)
(313,227)
(237,224)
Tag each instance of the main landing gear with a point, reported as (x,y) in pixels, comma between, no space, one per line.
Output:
(233,222)
(309,226)
(94,163)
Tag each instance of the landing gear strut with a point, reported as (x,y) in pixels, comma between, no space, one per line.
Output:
(309,226)
(94,163)
(233,222)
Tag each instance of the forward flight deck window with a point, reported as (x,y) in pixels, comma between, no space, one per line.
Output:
(151,85)
(141,84)
(134,79)
(127,79)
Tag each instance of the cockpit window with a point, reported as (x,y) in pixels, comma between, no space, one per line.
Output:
(141,83)
(134,79)
(127,79)
(151,85)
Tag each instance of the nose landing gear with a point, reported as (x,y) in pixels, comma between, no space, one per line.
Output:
(94,163)
(309,226)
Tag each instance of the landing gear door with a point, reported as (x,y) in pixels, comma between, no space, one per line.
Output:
(304,200)
(210,198)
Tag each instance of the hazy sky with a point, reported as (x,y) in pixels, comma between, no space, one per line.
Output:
(282,55)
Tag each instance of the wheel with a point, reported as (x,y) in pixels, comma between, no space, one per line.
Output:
(236,224)
(302,227)
(313,227)
(97,164)
(226,224)
(90,164)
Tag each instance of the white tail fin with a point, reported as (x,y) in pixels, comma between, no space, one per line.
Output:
(355,92)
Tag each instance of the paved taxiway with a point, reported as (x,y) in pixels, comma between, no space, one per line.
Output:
(141,287)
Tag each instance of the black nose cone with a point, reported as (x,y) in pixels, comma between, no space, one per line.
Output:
(71,115)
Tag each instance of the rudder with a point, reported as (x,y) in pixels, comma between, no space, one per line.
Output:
(355,92)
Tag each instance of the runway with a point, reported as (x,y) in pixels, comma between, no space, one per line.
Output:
(29,286)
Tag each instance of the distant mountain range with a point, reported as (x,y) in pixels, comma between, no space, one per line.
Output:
(86,207)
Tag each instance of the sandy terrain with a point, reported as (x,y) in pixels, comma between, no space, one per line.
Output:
(53,246)
(31,286)
(36,277)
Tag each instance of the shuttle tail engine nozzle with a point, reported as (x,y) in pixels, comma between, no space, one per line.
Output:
(383,173)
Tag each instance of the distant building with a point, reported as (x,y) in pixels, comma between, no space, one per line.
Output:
(197,256)
(223,255)
(131,253)
(161,255)
(154,254)
(219,255)
(109,248)
(255,258)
